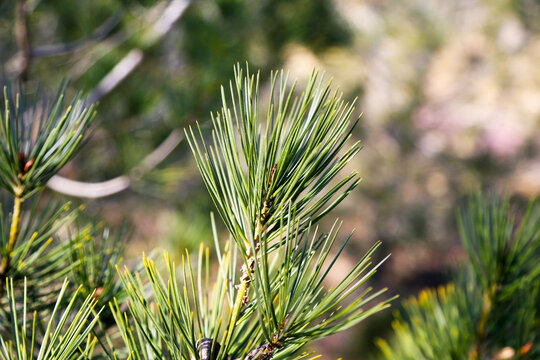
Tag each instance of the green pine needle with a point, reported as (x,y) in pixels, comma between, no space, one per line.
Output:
(66,331)
(38,135)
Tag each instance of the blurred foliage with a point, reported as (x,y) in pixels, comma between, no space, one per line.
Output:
(490,311)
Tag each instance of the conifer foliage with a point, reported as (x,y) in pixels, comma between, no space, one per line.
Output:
(271,176)
(38,135)
(491,309)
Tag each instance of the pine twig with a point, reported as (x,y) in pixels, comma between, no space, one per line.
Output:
(21,33)
(120,183)
(248,267)
(98,34)
(118,73)
(476,350)
(13,234)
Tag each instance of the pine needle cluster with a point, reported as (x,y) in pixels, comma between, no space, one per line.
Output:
(272,176)
(491,309)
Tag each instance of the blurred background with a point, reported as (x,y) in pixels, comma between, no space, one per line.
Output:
(449,91)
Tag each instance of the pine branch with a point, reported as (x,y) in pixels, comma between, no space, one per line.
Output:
(491,309)
(119,183)
(65,333)
(13,234)
(21,33)
(38,136)
(98,34)
(269,206)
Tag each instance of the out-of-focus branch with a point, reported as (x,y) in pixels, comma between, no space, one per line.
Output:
(65,48)
(118,73)
(133,59)
(168,18)
(21,33)
(159,154)
(120,183)
(87,189)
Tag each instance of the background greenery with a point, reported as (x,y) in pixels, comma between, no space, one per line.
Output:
(449,90)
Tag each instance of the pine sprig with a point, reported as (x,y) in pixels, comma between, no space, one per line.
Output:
(67,334)
(94,251)
(257,167)
(38,135)
(491,309)
(175,313)
(270,181)
(40,258)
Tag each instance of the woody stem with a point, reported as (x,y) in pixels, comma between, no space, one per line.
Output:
(247,270)
(488,296)
(13,234)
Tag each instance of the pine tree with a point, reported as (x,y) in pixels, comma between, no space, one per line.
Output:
(490,309)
